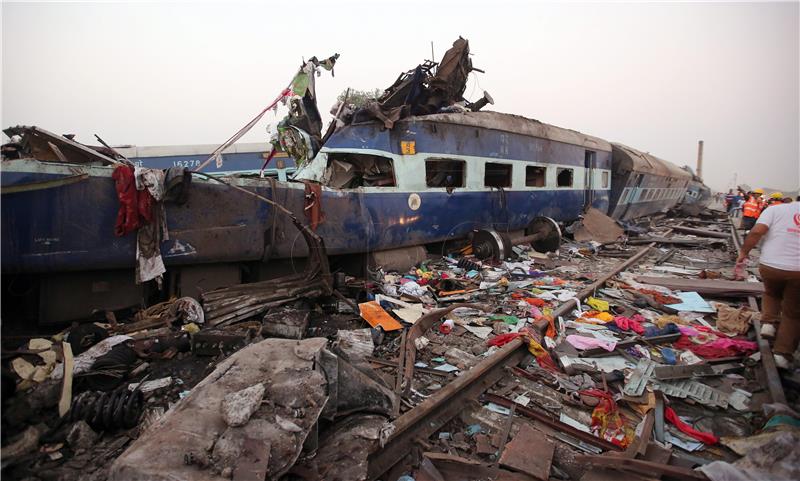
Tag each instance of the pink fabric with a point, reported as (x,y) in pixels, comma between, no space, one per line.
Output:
(585,342)
(734,344)
(688,331)
(718,348)
(630,324)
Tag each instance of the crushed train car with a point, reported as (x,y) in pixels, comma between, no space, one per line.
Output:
(419,165)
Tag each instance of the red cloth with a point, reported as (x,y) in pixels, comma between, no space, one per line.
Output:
(671,416)
(535,301)
(503,339)
(630,324)
(607,422)
(718,348)
(135,206)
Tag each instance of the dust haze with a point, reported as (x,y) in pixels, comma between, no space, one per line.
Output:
(657,77)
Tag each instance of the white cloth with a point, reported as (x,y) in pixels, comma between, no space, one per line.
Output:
(150,265)
(84,361)
(781,247)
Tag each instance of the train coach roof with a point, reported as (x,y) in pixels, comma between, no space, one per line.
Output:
(638,161)
(516,124)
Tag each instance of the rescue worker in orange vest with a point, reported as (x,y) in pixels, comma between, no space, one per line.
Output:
(750,211)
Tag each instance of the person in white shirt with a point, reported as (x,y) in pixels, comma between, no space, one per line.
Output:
(779,266)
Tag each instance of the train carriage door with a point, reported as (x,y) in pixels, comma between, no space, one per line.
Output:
(589,163)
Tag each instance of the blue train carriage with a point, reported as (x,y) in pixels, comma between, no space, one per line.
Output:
(643,184)
(698,194)
(438,177)
(240,158)
(59,207)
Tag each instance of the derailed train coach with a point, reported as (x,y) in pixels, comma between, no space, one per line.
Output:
(642,184)
(417,167)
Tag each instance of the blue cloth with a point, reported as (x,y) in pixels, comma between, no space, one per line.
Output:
(652,331)
(669,355)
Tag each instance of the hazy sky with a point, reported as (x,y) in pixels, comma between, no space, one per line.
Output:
(657,77)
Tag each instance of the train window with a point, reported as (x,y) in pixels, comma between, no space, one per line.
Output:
(350,171)
(605,180)
(444,173)
(535,176)
(564,177)
(497,175)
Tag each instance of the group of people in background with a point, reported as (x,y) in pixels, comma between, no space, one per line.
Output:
(751,204)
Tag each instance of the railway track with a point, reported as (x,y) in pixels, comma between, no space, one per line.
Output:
(415,426)
(768,361)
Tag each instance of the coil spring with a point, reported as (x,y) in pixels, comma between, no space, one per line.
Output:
(469,265)
(108,410)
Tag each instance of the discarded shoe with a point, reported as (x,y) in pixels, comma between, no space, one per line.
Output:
(781,361)
(768,331)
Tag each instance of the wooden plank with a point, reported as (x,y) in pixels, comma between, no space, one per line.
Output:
(767,360)
(464,469)
(702,232)
(639,445)
(674,241)
(530,452)
(640,466)
(66,386)
(706,286)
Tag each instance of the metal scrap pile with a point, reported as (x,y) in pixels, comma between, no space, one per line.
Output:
(574,365)
(427,89)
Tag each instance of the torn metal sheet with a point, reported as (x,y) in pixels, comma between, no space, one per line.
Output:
(598,227)
(666,373)
(344,449)
(303,381)
(706,286)
(50,147)
(639,378)
(694,390)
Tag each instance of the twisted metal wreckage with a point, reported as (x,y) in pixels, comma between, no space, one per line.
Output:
(417,166)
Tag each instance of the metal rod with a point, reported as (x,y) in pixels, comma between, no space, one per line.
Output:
(659,420)
(554,423)
(572,303)
(528,238)
(445,404)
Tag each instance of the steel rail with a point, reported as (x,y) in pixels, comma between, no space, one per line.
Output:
(767,360)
